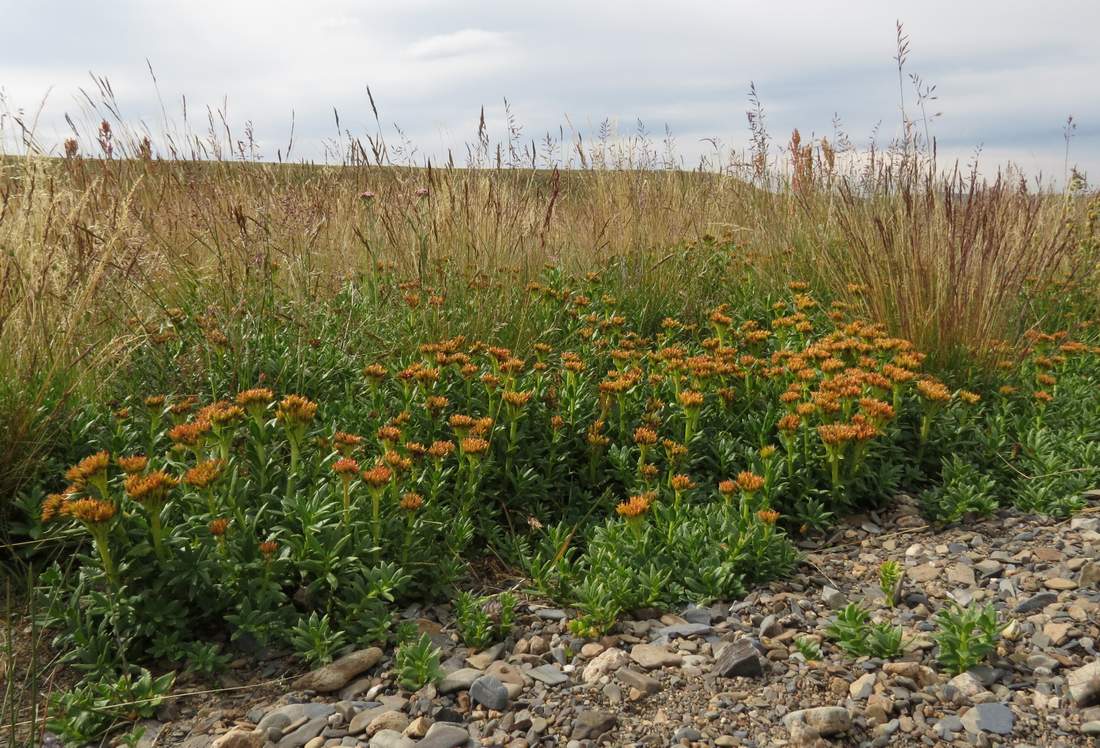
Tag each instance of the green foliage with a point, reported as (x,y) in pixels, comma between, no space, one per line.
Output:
(854,633)
(417,663)
(965,490)
(966,636)
(483,620)
(890,575)
(98,706)
(622,459)
(674,554)
(315,640)
(808,648)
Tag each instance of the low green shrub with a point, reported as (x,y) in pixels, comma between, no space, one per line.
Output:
(966,636)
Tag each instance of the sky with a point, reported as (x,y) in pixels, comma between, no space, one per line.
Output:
(1007,73)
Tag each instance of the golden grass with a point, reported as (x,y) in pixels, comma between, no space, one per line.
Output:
(92,240)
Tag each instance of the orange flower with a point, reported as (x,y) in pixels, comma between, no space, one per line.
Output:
(441,449)
(295,410)
(768,516)
(1042,396)
(933,391)
(836,433)
(516,399)
(268,549)
(133,463)
(410,502)
(255,397)
(645,436)
(91,511)
(690,399)
(749,482)
(204,474)
(345,467)
(92,467)
(151,488)
(389,434)
(635,506)
(727,487)
(681,482)
(346,443)
(189,434)
(970,398)
(474,446)
(377,476)
(218,526)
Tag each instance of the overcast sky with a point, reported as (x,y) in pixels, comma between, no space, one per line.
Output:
(1007,72)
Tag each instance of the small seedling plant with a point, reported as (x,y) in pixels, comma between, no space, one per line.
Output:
(966,636)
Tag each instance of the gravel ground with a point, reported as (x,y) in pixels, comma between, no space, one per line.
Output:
(728,674)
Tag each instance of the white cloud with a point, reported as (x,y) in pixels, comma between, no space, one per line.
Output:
(1008,73)
(458,44)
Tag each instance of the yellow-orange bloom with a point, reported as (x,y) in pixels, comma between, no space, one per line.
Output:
(933,391)
(377,476)
(91,511)
(410,502)
(151,488)
(345,467)
(749,482)
(91,467)
(441,449)
(295,410)
(768,516)
(474,445)
(218,526)
(204,474)
(635,506)
(645,436)
(690,399)
(131,464)
(189,434)
(681,482)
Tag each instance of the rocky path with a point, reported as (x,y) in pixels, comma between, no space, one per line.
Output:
(731,675)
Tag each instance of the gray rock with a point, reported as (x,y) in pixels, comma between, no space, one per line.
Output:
(485,658)
(286,715)
(551,675)
(490,693)
(607,661)
(1083,684)
(236,738)
(1091,728)
(444,735)
(1089,575)
(695,614)
(633,679)
(651,656)
(862,687)
(770,627)
(992,717)
(591,724)
(550,614)
(459,680)
(949,725)
(687,733)
(334,676)
(738,659)
(833,597)
(303,734)
(390,739)
(682,630)
(1037,602)
(824,720)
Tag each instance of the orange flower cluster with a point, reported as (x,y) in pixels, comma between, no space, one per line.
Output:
(635,506)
